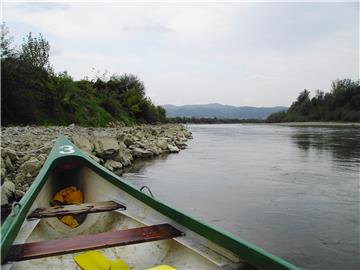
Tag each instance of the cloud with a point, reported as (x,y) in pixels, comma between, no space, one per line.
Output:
(146,28)
(39,6)
(259,53)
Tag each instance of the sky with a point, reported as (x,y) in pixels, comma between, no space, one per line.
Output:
(242,54)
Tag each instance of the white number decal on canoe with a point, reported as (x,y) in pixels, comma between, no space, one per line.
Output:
(66,149)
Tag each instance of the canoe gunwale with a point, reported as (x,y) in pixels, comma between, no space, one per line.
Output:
(245,250)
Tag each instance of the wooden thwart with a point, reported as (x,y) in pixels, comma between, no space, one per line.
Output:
(48,248)
(74,209)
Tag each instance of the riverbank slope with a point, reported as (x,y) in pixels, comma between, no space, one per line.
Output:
(25,149)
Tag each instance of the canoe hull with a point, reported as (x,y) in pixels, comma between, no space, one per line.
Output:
(188,252)
(206,244)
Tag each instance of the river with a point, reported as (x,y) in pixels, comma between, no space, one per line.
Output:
(293,191)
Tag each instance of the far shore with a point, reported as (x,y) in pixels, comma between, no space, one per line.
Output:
(317,124)
(288,124)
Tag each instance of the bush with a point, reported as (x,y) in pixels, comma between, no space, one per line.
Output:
(33,94)
(341,104)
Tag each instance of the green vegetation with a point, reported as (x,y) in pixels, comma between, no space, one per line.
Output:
(32,93)
(341,104)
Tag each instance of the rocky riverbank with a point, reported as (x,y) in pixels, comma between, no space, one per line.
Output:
(25,149)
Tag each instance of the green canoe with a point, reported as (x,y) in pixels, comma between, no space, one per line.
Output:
(118,220)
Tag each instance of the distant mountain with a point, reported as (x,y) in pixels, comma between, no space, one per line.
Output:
(220,111)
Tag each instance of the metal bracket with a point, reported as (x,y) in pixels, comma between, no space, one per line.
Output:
(148,189)
(13,209)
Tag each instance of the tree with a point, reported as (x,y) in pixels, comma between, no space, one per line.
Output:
(36,51)
(161,113)
(6,42)
(33,94)
(319,95)
(130,81)
(303,96)
(342,103)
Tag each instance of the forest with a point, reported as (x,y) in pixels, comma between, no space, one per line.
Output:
(32,93)
(341,104)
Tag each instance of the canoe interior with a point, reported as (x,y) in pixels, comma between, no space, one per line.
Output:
(187,252)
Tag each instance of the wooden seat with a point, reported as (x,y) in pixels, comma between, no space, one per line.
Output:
(74,209)
(48,248)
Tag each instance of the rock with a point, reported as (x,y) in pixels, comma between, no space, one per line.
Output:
(128,140)
(98,160)
(10,153)
(3,174)
(125,158)
(162,143)
(131,147)
(30,167)
(112,165)
(106,147)
(42,158)
(124,155)
(141,144)
(120,137)
(111,124)
(153,148)
(139,135)
(23,152)
(27,170)
(24,158)
(7,191)
(154,132)
(83,143)
(8,164)
(181,144)
(173,148)
(19,194)
(122,146)
(141,153)
(3,170)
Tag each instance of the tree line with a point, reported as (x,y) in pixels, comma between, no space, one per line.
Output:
(341,104)
(211,120)
(32,93)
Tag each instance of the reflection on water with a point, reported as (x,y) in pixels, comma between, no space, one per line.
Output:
(140,164)
(342,143)
(290,190)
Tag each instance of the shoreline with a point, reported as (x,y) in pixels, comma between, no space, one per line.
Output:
(25,149)
(318,124)
(289,124)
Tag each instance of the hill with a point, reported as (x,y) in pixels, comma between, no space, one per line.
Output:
(220,111)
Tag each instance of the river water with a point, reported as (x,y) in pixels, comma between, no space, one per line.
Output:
(293,191)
